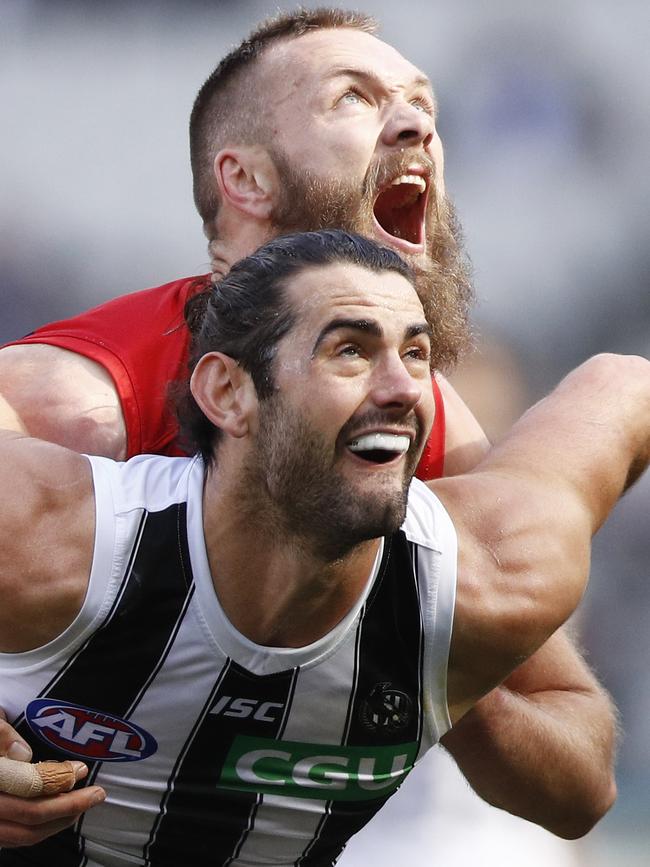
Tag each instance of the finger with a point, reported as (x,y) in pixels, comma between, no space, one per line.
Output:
(51,808)
(43,778)
(12,834)
(26,822)
(11,744)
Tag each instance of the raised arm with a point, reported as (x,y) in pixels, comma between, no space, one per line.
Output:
(526,515)
(542,745)
(62,397)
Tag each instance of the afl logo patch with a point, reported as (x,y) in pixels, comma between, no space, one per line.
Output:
(386,708)
(88,734)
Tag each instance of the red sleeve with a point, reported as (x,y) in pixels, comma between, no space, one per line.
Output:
(142,341)
(433,457)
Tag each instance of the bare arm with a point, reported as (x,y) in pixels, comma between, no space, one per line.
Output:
(526,515)
(542,745)
(62,397)
(41,596)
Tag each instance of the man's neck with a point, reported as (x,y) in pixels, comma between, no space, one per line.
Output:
(229,247)
(274,588)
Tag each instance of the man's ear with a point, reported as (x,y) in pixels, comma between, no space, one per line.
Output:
(224,392)
(247,179)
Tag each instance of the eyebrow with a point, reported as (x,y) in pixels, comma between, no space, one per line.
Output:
(420,80)
(419,328)
(368,326)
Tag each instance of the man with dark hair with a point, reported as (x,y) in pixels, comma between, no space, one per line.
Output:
(314,122)
(252,655)
(244,315)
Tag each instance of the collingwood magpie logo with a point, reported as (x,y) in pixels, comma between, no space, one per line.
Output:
(386,708)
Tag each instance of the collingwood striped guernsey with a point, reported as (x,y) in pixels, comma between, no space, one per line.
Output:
(213,750)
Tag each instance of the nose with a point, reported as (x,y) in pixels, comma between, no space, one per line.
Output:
(408,126)
(394,388)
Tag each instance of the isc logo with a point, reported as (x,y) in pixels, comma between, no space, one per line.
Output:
(262,711)
(88,734)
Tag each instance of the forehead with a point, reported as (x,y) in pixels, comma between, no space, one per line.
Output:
(315,55)
(319,294)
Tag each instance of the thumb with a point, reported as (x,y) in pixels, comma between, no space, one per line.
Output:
(11,744)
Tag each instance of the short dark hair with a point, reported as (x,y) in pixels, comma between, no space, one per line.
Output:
(228,107)
(247,313)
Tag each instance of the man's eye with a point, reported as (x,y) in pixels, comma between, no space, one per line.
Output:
(423,104)
(352,97)
(418,353)
(349,351)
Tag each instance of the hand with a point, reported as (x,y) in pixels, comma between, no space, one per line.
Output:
(24,822)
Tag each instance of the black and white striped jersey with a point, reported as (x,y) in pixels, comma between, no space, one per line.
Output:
(213,750)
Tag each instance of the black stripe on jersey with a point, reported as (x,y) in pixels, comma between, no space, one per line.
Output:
(390,656)
(109,672)
(260,797)
(179,761)
(181,835)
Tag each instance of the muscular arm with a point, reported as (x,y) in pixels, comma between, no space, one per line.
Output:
(49,491)
(525,517)
(62,397)
(542,744)
(39,598)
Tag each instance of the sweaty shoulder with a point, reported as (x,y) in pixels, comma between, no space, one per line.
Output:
(125,353)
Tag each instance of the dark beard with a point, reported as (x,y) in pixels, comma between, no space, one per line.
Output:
(443,280)
(304,499)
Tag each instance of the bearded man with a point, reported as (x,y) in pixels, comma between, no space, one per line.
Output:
(315,122)
(252,650)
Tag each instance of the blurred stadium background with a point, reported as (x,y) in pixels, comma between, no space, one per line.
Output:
(544,114)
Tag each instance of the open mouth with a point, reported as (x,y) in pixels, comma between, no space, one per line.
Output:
(401,207)
(380,448)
